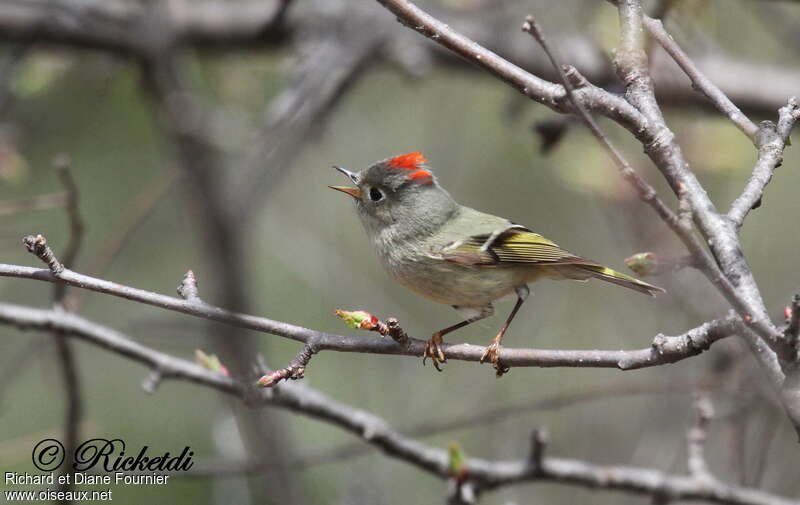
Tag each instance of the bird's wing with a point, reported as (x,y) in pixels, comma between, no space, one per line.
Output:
(515,245)
(520,246)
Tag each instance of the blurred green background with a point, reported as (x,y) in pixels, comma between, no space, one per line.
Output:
(307,255)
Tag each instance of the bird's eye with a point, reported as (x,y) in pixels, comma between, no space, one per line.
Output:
(375,194)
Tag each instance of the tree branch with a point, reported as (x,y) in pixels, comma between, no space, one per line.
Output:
(663,351)
(114,25)
(377,432)
(661,146)
(700,82)
(126,26)
(66,356)
(771,142)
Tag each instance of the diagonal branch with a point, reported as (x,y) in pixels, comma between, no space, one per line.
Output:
(572,80)
(699,81)
(771,141)
(764,339)
(661,146)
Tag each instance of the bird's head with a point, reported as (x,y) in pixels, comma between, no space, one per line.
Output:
(398,192)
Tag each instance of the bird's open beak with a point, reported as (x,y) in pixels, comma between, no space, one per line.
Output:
(354,192)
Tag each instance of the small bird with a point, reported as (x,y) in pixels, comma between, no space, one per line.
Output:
(456,255)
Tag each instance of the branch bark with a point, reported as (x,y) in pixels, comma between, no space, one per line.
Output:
(377,432)
(664,349)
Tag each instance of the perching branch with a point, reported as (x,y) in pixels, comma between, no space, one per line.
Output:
(373,430)
(663,351)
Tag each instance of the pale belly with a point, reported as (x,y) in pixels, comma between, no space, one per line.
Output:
(457,284)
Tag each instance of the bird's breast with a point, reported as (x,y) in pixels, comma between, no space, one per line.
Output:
(419,267)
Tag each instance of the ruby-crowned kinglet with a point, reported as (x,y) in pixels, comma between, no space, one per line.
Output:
(457,255)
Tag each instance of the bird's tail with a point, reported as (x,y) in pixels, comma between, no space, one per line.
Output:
(609,275)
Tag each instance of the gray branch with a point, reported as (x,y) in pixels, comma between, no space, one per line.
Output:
(699,81)
(377,432)
(126,27)
(771,140)
(664,350)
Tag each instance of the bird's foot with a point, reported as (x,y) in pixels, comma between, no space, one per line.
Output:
(433,350)
(492,355)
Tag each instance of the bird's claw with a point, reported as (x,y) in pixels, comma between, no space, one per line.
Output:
(492,355)
(433,350)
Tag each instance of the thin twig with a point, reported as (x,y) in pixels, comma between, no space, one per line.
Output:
(66,355)
(771,141)
(62,165)
(699,81)
(572,80)
(539,440)
(295,370)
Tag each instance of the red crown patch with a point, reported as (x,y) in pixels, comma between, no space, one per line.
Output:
(412,162)
(408,161)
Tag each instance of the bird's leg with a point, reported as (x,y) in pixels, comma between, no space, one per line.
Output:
(492,353)
(433,348)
